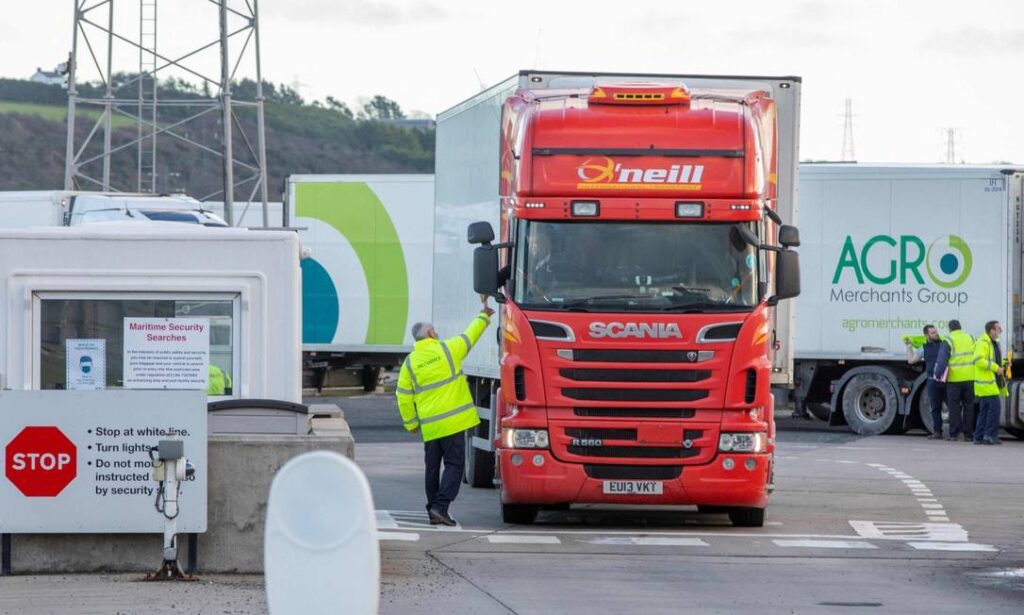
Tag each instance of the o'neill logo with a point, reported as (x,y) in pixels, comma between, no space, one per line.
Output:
(602,173)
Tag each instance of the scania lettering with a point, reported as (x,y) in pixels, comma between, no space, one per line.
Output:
(635,231)
(901,247)
(632,329)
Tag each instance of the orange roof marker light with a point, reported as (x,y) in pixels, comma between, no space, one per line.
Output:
(639,94)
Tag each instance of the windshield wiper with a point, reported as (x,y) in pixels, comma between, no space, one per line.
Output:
(587,300)
(703,306)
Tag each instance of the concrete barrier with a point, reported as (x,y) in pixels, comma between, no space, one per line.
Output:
(241,470)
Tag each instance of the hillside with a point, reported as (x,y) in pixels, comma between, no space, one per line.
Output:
(301,138)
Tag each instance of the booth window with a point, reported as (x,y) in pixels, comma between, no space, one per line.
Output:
(63,318)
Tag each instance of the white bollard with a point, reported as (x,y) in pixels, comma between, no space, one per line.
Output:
(320,548)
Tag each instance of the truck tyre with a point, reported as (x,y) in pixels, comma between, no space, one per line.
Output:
(820,411)
(519,514)
(870,403)
(747,517)
(1016,432)
(479,463)
(704,509)
(369,378)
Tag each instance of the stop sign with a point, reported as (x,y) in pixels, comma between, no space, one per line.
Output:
(41,461)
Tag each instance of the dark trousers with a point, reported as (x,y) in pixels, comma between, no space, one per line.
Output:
(936,397)
(442,488)
(960,400)
(988,418)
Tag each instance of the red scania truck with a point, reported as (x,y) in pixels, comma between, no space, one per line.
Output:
(640,263)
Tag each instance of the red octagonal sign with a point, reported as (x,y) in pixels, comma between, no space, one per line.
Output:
(41,461)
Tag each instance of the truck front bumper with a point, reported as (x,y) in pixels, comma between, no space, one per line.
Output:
(539,478)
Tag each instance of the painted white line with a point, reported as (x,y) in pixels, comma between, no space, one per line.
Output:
(825,544)
(922,500)
(845,461)
(896,530)
(940,512)
(523,539)
(398,536)
(940,519)
(647,541)
(953,546)
(773,523)
(385,521)
(880,466)
(931,505)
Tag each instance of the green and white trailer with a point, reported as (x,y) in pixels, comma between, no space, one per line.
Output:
(368,275)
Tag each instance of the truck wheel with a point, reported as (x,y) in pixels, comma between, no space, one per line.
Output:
(747,517)
(519,514)
(1016,432)
(924,411)
(820,411)
(870,403)
(704,509)
(369,377)
(479,464)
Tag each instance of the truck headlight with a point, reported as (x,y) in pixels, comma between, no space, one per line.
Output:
(526,438)
(743,442)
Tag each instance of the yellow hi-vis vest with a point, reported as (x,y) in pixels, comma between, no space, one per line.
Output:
(961,357)
(432,392)
(985,369)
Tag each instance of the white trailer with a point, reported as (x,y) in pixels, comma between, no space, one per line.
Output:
(60,284)
(885,251)
(29,209)
(369,274)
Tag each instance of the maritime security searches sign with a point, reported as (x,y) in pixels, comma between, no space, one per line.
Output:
(78,461)
(166,353)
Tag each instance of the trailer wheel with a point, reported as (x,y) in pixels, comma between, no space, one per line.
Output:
(519,514)
(479,464)
(370,376)
(1016,432)
(870,403)
(747,517)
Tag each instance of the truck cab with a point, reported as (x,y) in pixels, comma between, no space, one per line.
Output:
(640,263)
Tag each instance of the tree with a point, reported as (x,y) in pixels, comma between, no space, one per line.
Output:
(339,107)
(381,108)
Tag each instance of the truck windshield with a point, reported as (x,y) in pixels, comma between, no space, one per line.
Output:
(633,266)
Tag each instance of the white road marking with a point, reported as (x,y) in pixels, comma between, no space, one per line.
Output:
(931,505)
(825,544)
(773,523)
(398,536)
(898,530)
(647,541)
(952,546)
(523,539)
(385,521)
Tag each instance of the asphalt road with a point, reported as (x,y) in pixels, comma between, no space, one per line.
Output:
(896,524)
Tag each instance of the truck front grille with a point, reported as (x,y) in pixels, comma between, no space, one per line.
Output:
(635,394)
(637,413)
(636,375)
(635,452)
(636,356)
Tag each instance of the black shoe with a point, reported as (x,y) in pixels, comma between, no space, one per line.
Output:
(439,518)
(934,436)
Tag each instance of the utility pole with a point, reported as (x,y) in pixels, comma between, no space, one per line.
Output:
(97,45)
(848,154)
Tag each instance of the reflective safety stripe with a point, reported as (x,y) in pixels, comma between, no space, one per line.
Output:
(448,355)
(465,338)
(444,415)
(484,318)
(404,391)
(412,374)
(993,381)
(439,383)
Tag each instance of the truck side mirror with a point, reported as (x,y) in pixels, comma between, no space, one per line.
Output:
(787,275)
(485,270)
(480,232)
(789,236)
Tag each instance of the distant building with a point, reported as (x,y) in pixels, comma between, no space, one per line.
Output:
(48,78)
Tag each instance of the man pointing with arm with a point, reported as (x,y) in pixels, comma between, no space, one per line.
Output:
(434,399)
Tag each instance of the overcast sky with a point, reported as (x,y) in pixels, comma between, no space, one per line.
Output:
(912,68)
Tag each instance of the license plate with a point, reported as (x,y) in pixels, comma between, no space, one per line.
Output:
(632,487)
